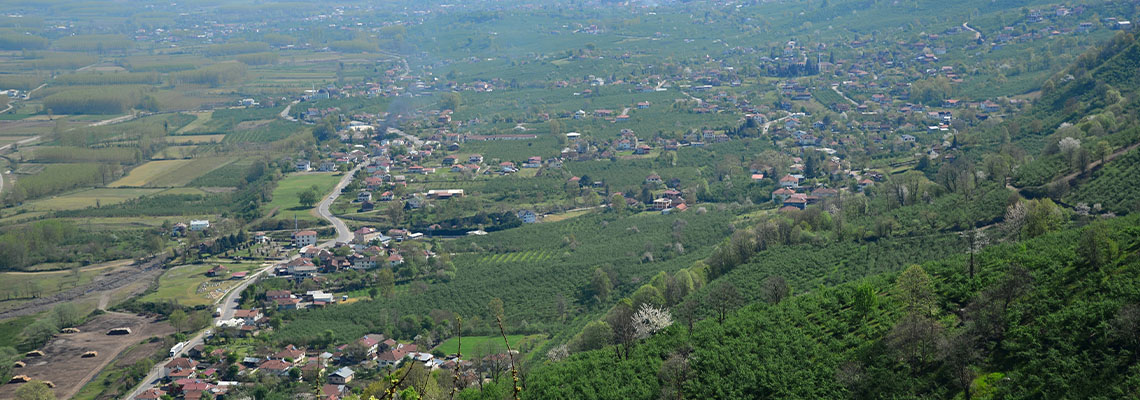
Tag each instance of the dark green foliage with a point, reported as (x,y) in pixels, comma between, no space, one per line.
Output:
(112,100)
(264,58)
(1116,186)
(229,49)
(95,43)
(119,78)
(214,75)
(14,40)
(20,82)
(1055,329)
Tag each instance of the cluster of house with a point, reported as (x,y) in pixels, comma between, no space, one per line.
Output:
(331,161)
(793,196)
(366,251)
(194,376)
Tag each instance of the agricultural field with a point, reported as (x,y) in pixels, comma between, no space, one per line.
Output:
(87,198)
(175,152)
(170,173)
(195,139)
(477,345)
(229,175)
(188,286)
(286,196)
(200,118)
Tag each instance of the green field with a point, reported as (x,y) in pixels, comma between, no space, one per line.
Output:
(11,330)
(285,196)
(188,285)
(480,344)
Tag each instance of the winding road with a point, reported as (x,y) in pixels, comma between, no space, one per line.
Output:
(977,35)
(230,302)
(343,234)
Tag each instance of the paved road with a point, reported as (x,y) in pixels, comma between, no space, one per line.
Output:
(229,303)
(343,234)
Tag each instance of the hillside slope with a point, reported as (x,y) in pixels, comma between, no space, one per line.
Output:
(1052,317)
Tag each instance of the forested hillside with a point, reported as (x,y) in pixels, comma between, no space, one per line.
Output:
(1051,316)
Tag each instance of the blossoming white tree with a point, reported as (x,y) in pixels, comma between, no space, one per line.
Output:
(649,320)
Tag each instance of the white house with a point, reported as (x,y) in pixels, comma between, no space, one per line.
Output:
(528,216)
(199,224)
(304,165)
(363,197)
(304,238)
(318,295)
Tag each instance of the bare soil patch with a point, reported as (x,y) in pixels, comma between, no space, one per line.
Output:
(63,363)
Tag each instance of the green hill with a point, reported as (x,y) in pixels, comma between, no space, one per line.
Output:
(1050,317)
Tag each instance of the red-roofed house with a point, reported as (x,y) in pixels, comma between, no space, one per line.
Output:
(275,367)
(151,394)
(789,181)
(180,367)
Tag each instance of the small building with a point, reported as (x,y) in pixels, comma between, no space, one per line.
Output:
(216,271)
(181,367)
(365,235)
(199,224)
(303,166)
(341,376)
(528,216)
(363,196)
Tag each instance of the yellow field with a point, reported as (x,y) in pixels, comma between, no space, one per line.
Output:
(86,198)
(170,173)
(195,139)
(202,118)
(145,174)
